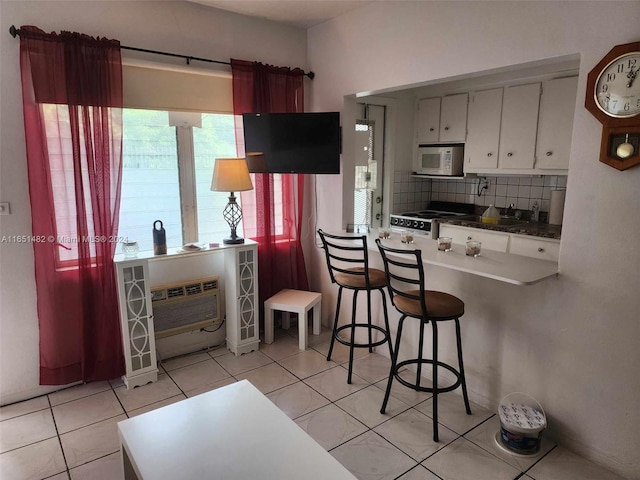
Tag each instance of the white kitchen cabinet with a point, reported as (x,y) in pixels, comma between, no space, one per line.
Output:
(442,120)
(453,118)
(519,126)
(241,297)
(555,123)
(483,139)
(136,317)
(491,240)
(544,249)
(428,120)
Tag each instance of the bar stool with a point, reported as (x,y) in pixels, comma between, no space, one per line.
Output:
(427,306)
(348,264)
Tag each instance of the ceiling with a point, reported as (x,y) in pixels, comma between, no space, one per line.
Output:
(299,13)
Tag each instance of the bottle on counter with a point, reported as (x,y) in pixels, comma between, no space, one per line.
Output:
(491,215)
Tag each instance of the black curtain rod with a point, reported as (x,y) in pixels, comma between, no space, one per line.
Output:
(14,31)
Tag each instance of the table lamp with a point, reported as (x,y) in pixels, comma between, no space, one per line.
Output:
(231,175)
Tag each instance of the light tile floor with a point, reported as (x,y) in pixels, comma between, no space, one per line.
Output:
(72,434)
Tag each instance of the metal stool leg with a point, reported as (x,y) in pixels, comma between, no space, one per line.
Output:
(386,321)
(369,320)
(461,366)
(335,324)
(420,348)
(435,380)
(394,361)
(353,335)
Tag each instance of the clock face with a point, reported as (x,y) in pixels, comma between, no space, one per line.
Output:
(617,90)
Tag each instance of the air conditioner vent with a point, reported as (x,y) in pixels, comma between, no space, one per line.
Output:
(194,289)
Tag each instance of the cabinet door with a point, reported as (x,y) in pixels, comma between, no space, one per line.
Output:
(453,118)
(481,149)
(428,120)
(519,126)
(136,317)
(544,249)
(555,125)
(490,240)
(241,296)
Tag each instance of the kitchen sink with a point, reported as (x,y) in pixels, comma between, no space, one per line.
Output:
(506,221)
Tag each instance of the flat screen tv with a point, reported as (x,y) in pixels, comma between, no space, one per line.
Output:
(292,142)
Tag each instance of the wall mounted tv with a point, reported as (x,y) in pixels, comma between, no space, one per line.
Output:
(292,142)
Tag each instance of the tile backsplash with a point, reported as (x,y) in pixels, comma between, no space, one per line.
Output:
(412,193)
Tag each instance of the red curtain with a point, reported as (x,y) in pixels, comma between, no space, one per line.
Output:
(272,211)
(72,98)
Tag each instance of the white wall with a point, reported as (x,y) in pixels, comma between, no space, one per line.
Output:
(179,27)
(571,342)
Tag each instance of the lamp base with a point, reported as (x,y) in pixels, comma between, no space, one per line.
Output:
(233,241)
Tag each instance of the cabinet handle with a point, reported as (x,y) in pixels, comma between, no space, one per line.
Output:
(431,129)
(489,154)
(549,154)
(540,249)
(509,154)
(446,128)
(469,238)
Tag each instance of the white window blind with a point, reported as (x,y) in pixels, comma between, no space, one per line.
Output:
(196,90)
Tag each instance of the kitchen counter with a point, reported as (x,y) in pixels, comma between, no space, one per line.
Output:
(504,267)
(535,229)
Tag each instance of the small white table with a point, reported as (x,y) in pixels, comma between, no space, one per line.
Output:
(230,433)
(293,301)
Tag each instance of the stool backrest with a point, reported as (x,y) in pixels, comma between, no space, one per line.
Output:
(401,268)
(344,254)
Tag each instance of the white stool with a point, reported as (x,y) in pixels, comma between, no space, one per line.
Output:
(293,301)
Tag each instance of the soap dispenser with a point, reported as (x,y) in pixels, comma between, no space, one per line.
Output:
(491,215)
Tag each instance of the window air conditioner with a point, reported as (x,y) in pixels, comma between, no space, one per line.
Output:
(187,306)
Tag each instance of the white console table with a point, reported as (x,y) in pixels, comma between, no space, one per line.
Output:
(230,433)
(239,271)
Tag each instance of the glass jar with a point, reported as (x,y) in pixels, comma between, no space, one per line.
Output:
(130,249)
(444,244)
(473,248)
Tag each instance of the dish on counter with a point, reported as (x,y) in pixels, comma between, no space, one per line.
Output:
(190,248)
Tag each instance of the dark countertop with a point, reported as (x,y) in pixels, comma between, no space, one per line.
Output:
(535,229)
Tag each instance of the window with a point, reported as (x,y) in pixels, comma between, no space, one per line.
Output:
(168,160)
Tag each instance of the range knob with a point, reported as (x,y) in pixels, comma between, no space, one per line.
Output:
(422,225)
(415,224)
(394,221)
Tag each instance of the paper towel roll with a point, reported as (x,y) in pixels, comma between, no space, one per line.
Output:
(556,207)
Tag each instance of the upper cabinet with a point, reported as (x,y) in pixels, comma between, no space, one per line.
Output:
(483,140)
(442,120)
(556,123)
(518,126)
(522,129)
(453,118)
(428,120)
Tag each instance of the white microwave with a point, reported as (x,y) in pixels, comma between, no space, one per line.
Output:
(443,160)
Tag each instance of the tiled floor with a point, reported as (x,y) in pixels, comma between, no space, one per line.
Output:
(72,434)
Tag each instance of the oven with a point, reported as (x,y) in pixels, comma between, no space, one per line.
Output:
(420,221)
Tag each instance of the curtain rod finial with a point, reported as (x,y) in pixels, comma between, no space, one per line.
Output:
(311,75)
(14,31)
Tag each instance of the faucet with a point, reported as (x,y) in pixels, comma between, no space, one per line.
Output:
(535,216)
(510,208)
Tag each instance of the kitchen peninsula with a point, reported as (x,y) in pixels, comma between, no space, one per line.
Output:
(504,267)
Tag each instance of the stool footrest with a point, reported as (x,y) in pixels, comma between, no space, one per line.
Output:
(385,338)
(415,386)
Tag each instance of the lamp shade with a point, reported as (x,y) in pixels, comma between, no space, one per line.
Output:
(231,175)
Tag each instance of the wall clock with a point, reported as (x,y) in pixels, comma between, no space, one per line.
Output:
(613,97)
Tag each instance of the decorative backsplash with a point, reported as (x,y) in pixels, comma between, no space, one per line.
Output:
(412,193)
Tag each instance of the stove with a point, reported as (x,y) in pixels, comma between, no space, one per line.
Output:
(420,221)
